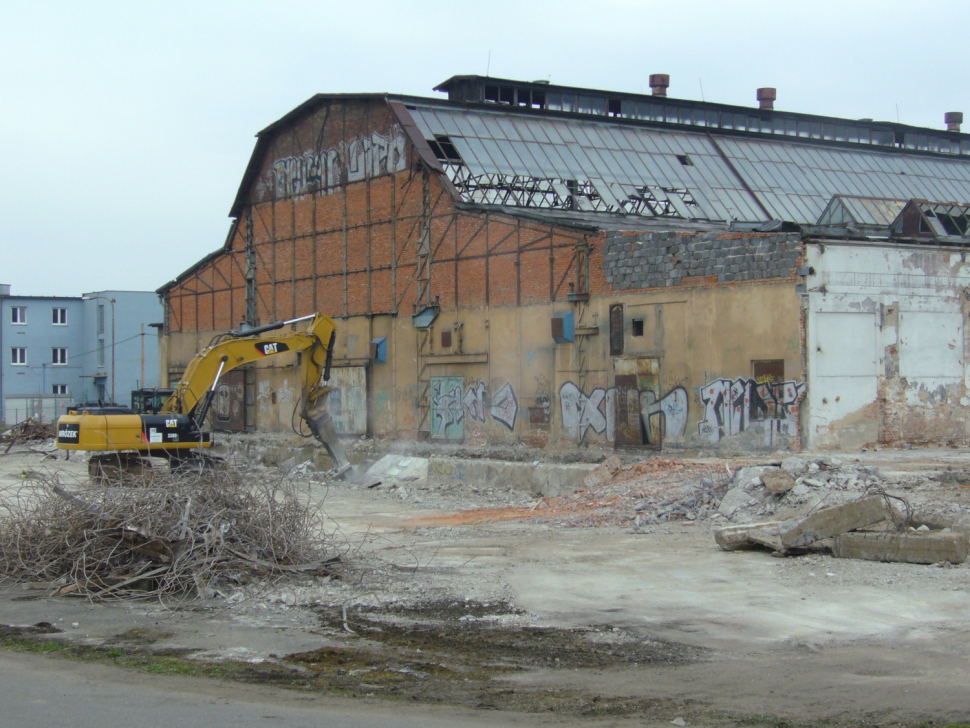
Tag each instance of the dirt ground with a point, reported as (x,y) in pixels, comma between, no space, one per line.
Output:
(530,609)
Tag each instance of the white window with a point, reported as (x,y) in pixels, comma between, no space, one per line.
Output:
(100,318)
(18,355)
(18,315)
(59,317)
(101,353)
(60,389)
(58,356)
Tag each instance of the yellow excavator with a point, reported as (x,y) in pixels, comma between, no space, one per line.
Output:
(176,431)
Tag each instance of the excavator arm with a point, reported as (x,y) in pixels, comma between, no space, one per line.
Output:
(194,393)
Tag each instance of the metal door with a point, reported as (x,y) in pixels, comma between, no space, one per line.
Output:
(347,402)
(447,410)
(633,378)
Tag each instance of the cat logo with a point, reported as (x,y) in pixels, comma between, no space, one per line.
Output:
(171,423)
(268,348)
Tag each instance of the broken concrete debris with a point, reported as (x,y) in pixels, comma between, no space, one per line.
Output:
(778,481)
(831,521)
(797,533)
(914,547)
(827,499)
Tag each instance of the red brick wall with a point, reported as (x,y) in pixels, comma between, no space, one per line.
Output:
(352,249)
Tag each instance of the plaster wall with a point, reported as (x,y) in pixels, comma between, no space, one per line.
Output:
(887,345)
(503,379)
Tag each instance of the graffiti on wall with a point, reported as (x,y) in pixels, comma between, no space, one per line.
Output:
(447,412)
(474,401)
(734,406)
(581,411)
(449,405)
(505,407)
(673,406)
(597,409)
(360,158)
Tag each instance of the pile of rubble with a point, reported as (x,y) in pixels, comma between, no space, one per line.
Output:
(848,508)
(645,493)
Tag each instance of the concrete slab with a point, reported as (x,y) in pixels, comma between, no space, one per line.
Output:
(749,535)
(831,521)
(912,548)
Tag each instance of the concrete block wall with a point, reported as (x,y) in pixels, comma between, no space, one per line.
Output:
(663,259)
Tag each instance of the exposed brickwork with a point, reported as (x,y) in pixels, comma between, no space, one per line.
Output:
(347,243)
(660,259)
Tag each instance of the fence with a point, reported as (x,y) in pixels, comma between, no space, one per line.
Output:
(45,408)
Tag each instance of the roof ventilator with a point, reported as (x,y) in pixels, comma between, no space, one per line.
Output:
(766,98)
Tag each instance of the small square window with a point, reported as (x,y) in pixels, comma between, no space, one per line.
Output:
(18,355)
(18,315)
(446,338)
(637,325)
(58,356)
(59,317)
(60,389)
(769,371)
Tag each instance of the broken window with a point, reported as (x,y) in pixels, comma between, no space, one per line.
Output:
(636,327)
(616,330)
(614,107)
(444,150)
(685,160)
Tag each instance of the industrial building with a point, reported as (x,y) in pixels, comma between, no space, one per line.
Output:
(59,350)
(524,262)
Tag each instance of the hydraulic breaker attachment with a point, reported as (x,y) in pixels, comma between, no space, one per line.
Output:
(321,425)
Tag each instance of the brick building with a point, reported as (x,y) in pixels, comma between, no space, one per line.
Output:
(542,264)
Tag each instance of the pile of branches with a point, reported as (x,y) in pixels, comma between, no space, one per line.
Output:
(28,431)
(195,534)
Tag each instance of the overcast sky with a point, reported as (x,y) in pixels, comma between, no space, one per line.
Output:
(125,127)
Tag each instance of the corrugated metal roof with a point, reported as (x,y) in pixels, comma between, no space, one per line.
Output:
(627,168)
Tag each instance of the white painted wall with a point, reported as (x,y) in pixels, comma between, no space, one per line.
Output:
(885,335)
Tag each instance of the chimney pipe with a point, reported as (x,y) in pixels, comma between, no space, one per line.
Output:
(659,83)
(766,98)
(953,120)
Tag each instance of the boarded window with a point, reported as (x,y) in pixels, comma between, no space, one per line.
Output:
(616,330)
